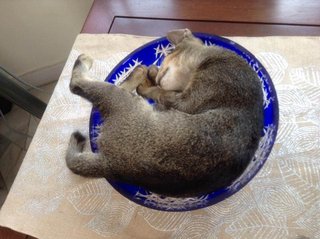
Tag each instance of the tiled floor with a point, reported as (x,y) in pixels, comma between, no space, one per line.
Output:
(14,143)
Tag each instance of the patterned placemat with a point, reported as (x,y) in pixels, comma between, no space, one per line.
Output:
(282,201)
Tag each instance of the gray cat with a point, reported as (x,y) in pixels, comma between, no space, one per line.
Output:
(199,136)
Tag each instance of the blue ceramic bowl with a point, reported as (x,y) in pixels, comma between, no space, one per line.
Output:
(154,53)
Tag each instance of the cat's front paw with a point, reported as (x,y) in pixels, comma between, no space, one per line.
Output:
(138,73)
(136,77)
(152,73)
(142,90)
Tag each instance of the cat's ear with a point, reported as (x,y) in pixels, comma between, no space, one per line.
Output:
(176,36)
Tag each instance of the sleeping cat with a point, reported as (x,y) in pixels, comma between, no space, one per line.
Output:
(199,136)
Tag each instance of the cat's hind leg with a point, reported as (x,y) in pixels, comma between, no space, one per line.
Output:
(107,97)
(83,85)
(85,163)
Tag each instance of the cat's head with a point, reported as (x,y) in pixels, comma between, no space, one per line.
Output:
(182,36)
(175,69)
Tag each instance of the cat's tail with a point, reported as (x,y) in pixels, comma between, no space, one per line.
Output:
(84,163)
